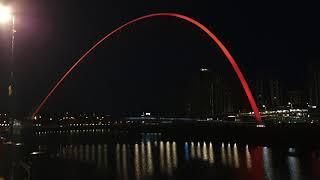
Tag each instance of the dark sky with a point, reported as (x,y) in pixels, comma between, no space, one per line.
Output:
(148,65)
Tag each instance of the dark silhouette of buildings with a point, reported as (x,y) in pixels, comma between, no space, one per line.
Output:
(314,84)
(221,96)
(212,95)
(267,90)
(296,98)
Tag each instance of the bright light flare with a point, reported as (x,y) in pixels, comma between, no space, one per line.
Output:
(5,13)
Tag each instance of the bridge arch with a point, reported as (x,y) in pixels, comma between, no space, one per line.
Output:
(228,55)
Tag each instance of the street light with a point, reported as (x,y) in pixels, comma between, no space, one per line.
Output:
(6,15)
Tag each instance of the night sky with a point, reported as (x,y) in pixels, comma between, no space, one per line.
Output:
(149,66)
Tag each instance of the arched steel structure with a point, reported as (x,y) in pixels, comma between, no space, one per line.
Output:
(179,16)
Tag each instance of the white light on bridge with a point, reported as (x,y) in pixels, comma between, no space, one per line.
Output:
(204,70)
(261,126)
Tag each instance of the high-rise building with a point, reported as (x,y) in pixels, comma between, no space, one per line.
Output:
(296,98)
(221,96)
(267,91)
(259,92)
(211,95)
(275,93)
(314,84)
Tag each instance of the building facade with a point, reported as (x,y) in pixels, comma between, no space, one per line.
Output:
(211,95)
(267,91)
(314,84)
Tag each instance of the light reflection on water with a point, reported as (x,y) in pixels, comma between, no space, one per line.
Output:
(294,168)
(223,155)
(154,156)
(124,162)
(230,164)
(161,156)
(118,159)
(211,154)
(149,159)
(248,158)
(236,156)
(192,150)
(143,160)
(267,163)
(168,158)
(137,161)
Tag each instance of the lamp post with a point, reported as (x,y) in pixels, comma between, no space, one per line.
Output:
(6,16)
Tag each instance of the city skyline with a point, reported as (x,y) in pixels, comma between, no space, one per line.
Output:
(134,90)
(114,71)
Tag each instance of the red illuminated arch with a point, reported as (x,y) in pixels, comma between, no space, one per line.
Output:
(179,16)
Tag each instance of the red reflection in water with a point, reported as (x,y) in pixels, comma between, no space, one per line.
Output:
(257,161)
(179,16)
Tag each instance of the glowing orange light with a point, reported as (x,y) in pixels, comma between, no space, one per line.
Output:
(179,16)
